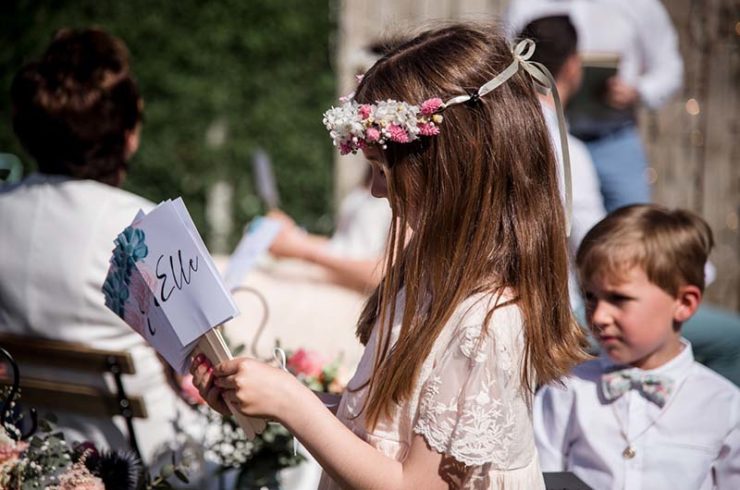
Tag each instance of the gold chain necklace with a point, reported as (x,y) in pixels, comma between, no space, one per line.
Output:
(629,451)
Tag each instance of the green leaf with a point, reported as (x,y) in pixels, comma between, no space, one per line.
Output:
(181,476)
(167,471)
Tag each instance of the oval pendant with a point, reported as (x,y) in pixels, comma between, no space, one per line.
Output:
(629,452)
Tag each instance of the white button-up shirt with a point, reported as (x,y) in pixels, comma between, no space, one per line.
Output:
(692,443)
(639,31)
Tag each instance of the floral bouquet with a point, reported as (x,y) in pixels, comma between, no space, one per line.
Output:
(46,461)
(258,463)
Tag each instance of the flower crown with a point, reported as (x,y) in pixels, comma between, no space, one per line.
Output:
(353,126)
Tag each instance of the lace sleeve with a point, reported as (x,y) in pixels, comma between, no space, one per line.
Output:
(470,404)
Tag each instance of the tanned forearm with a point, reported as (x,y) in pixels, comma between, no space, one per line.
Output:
(349,460)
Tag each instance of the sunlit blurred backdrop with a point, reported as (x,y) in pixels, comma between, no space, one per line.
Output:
(225,78)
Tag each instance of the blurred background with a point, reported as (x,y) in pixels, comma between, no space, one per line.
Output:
(224,79)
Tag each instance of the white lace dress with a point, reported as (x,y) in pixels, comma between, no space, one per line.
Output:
(467,403)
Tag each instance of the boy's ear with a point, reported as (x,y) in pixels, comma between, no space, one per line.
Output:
(688,300)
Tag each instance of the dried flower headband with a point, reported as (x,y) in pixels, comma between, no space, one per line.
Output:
(354,126)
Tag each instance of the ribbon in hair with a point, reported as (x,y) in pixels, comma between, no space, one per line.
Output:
(544,83)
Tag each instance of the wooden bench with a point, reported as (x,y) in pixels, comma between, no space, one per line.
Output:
(75,398)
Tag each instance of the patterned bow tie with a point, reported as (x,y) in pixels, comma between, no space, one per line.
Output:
(654,387)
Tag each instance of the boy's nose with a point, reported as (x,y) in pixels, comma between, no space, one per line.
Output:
(600,315)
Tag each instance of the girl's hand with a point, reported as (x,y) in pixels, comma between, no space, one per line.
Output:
(202,372)
(257,389)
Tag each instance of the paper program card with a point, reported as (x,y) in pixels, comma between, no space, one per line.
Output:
(162,282)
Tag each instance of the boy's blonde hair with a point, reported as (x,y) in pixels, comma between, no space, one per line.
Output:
(671,246)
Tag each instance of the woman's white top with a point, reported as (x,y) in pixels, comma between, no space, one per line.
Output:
(362,226)
(467,402)
(55,246)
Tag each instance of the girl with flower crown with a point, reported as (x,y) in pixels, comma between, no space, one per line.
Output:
(473,310)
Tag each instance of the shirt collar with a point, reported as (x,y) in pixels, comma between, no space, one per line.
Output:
(676,369)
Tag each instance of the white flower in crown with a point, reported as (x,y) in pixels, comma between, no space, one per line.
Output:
(353,126)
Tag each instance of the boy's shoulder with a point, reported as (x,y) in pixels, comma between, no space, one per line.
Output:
(587,372)
(714,385)
(584,378)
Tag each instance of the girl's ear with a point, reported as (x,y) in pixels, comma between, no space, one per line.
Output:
(687,302)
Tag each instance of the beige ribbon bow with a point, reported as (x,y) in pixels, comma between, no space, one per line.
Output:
(544,83)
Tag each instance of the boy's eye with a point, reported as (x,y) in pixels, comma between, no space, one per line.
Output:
(618,298)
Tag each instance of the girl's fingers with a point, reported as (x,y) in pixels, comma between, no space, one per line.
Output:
(228,367)
(215,400)
(226,382)
(230,398)
(203,377)
(198,361)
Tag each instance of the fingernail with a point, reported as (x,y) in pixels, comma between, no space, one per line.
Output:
(199,359)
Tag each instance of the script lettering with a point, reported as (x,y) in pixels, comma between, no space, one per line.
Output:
(186,276)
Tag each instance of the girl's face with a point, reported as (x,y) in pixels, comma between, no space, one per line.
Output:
(379,182)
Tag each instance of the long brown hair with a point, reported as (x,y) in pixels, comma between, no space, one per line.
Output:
(485,208)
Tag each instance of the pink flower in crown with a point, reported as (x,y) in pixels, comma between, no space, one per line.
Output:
(372,135)
(359,77)
(364,111)
(398,134)
(346,98)
(345,148)
(430,106)
(428,129)
(306,362)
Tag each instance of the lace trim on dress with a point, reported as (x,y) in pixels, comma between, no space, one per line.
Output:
(465,408)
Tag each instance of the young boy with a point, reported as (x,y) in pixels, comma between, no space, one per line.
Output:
(644,415)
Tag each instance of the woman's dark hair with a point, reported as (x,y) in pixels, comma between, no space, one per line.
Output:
(73,108)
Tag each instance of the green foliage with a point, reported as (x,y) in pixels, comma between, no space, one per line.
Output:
(255,71)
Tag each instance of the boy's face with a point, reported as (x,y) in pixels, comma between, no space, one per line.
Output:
(633,319)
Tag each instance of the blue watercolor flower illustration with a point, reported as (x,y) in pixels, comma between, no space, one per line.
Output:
(130,248)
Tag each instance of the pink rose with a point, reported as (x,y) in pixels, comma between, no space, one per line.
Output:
(398,134)
(430,106)
(306,362)
(372,135)
(364,111)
